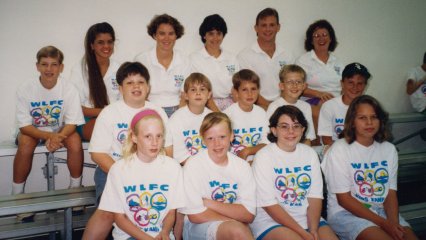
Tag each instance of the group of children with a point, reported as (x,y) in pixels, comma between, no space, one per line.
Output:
(146,194)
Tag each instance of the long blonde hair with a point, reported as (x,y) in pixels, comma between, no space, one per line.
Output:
(130,147)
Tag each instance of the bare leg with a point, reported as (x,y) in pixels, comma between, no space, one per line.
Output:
(99,225)
(178,227)
(88,129)
(326,233)
(372,233)
(74,154)
(409,234)
(282,233)
(233,230)
(24,158)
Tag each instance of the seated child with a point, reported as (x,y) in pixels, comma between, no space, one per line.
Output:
(249,122)
(183,139)
(48,110)
(144,188)
(361,174)
(292,84)
(288,182)
(219,186)
(416,86)
(333,112)
(110,132)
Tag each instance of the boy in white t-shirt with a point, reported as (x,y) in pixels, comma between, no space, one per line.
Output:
(416,87)
(183,138)
(333,112)
(48,110)
(292,84)
(249,122)
(110,132)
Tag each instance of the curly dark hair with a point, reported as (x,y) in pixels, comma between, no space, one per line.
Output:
(210,23)
(166,19)
(313,27)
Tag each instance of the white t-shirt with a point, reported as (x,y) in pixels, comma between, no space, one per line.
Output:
(302,106)
(324,77)
(166,84)
(254,58)
(287,179)
(81,81)
(48,109)
(250,128)
(331,120)
(184,133)
(145,192)
(233,183)
(366,172)
(112,124)
(218,70)
(418,98)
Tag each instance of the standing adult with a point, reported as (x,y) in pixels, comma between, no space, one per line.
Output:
(323,69)
(167,66)
(216,63)
(265,57)
(94,76)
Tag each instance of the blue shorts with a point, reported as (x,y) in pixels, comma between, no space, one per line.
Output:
(348,226)
(79,128)
(100,178)
(263,234)
(170,110)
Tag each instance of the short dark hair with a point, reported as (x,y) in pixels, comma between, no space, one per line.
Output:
(291,111)
(348,132)
(50,51)
(424,58)
(166,19)
(245,75)
(316,25)
(131,68)
(266,13)
(210,23)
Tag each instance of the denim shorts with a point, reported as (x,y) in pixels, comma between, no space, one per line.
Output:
(100,178)
(202,231)
(170,110)
(348,226)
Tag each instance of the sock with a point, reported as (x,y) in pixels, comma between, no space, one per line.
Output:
(75,182)
(17,188)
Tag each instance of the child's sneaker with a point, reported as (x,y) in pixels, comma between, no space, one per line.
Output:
(26,217)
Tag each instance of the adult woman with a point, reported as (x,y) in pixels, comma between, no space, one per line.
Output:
(214,62)
(94,77)
(168,67)
(323,69)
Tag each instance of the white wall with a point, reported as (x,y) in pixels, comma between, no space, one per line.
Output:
(384,35)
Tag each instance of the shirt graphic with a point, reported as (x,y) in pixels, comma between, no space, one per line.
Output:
(223,192)
(46,113)
(245,137)
(193,141)
(293,183)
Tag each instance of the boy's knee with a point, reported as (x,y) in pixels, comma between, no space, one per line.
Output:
(26,144)
(73,142)
(238,231)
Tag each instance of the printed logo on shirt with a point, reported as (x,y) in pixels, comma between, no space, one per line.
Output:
(338,128)
(193,141)
(46,113)
(122,132)
(293,183)
(147,202)
(245,137)
(223,192)
(282,63)
(114,84)
(179,80)
(371,179)
(231,69)
(337,69)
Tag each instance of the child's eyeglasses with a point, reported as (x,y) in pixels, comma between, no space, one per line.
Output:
(286,127)
(317,35)
(294,83)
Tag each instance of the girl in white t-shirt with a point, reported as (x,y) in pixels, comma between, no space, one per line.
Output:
(361,174)
(288,182)
(94,76)
(219,186)
(144,188)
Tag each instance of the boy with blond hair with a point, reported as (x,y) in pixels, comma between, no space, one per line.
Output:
(292,84)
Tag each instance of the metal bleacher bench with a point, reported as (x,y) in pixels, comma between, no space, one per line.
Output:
(60,219)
